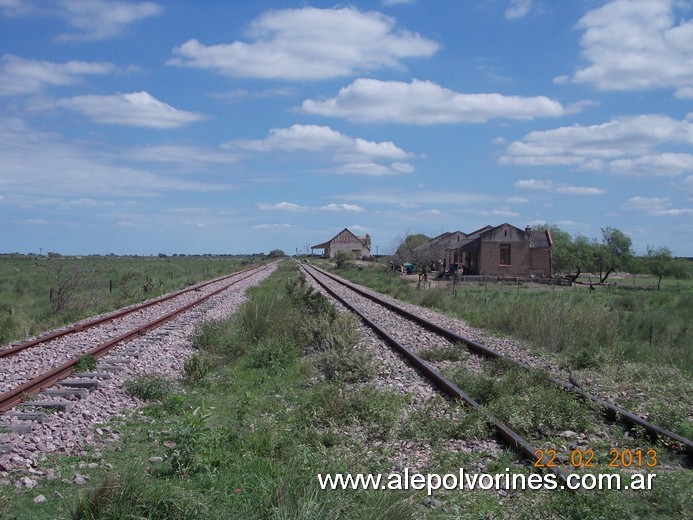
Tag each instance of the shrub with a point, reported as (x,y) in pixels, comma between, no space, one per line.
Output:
(195,368)
(192,443)
(273,352)
(152,387)
(351,364)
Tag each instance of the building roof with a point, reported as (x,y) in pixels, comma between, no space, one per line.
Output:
(361,240)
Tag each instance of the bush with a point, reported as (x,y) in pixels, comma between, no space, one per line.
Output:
(153,387)
(351,364)
(195,368)
(273,352)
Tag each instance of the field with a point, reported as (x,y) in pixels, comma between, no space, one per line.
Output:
(38,293)
(260,412)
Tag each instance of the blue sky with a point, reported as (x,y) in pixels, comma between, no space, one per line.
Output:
(241,127)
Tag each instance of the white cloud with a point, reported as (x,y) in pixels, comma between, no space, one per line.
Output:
(186,156)
(19,76)
(663,164)
(291,207)
(101,19)
(41,167)
(309,44)
(343,207)
(518,9)
(578,190)
(357,155)
(637,44)
(533,184)
(625,145)
(282,206)
(92,19)
(426,103)
(684,93)
(656,206)
(134,109)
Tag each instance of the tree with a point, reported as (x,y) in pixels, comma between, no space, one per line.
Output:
(563,252)
(407,245)
(276,253)
(660,263)
(614,253)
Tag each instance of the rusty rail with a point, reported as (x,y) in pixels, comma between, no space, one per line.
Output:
(611,410)
(14,349)
(13,397)
(447,387)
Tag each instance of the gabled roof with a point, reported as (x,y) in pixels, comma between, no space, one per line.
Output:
(540,238)
(356,239)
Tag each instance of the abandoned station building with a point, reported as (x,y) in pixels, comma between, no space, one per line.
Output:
(345,240)
(503,250)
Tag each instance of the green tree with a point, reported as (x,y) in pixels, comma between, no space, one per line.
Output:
(660,263)
(276,253)
(614,252)
(405,250)
(563,251)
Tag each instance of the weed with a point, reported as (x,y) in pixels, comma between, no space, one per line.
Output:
(351,364)
(153,387)
(195,368)
(134,496)
(85,363)
(273,352)
(447,353)
(192,442)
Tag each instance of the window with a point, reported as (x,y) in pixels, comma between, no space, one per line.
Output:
(505,254)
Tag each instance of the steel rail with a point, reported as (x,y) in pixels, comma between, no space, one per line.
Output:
(14,349)
(13,397)
(447,387)
(612,411)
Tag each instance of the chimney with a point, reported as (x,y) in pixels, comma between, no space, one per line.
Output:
(368,241)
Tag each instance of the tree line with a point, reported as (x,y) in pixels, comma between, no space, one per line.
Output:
(614,252)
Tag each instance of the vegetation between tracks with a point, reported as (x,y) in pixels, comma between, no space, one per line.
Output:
(264,408)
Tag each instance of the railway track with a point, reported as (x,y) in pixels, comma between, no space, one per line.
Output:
(30,367)
(368,307)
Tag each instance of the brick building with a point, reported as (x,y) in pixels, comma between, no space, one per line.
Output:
(345,240)
(503,250)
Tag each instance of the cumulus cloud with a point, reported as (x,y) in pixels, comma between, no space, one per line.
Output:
(133,109)
(309,44)
(627,145)
(20,76)
(358,155)
(426,103)
(637,44)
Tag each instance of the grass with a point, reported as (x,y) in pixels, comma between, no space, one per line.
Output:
(38,293)
(248,435)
